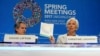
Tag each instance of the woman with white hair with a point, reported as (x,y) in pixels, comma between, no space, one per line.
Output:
(72,25)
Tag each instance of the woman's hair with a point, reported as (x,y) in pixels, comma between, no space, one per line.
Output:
(73,18)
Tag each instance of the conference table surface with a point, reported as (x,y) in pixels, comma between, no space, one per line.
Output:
(49,49)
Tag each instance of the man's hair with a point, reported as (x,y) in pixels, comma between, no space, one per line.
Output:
(73,18)
(17,25)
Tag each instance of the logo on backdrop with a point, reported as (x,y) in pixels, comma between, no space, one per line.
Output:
(27,11)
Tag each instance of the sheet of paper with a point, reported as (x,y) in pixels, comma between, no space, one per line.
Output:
(46,29)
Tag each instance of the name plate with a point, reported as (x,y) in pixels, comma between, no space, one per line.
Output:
(82,39)
(19,38)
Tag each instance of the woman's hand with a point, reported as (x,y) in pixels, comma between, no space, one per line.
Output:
(52,39)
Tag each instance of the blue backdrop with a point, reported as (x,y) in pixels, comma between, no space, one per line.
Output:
(86,11)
